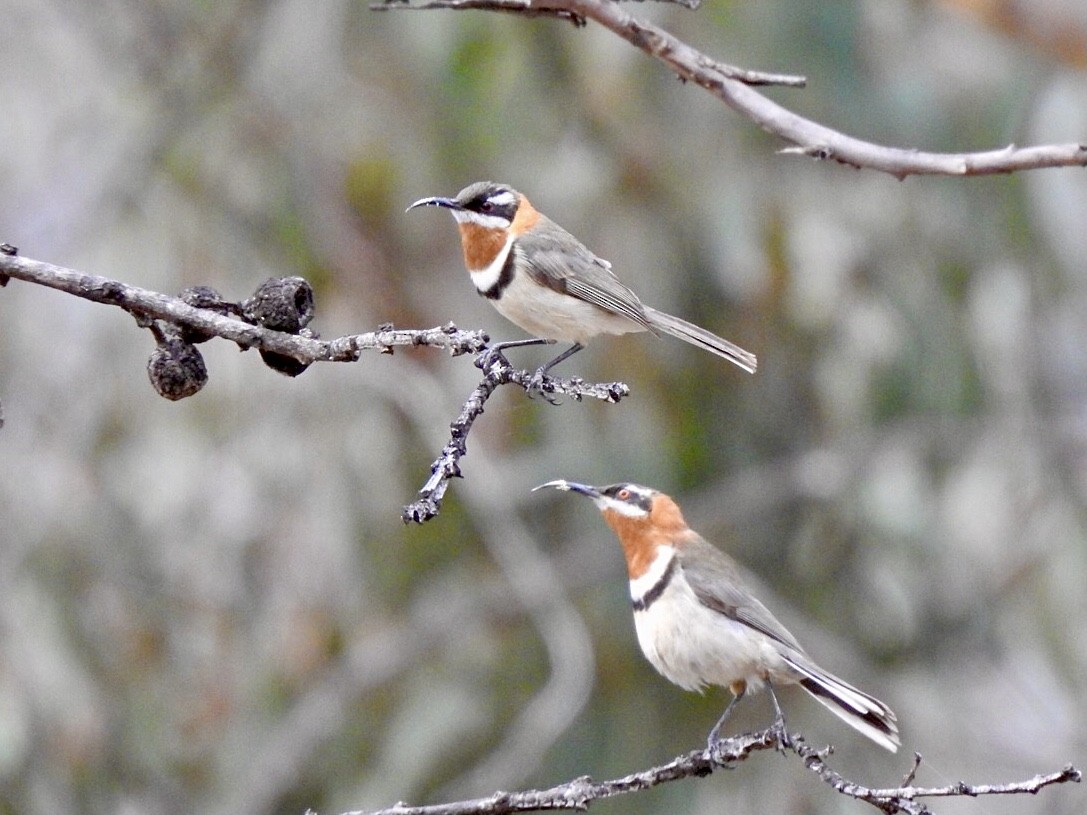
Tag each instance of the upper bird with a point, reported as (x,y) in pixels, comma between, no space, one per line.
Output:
(544,280)
(699,624)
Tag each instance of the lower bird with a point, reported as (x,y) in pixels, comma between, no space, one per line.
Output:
(547,282)
(698,624)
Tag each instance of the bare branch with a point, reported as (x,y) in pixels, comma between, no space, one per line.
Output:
(496,371)
(148,305)
(529,8)
(177,370)
(904,798)
(729,85)
(579,793)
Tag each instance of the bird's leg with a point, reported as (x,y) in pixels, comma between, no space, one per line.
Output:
(569,352)
(535,385)
(495,351)
(778,727)
(738,695)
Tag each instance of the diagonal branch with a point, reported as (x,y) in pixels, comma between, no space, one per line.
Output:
(806,137)
(579,793)
(497,371)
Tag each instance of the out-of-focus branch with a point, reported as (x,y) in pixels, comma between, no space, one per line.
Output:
(807,137)
(579,793)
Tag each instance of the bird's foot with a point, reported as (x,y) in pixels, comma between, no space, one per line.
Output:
(780,733)
(491,356)
(542,385)
(718,754)
(496,353)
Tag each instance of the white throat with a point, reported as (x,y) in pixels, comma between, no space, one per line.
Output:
(641,586)
(486,279)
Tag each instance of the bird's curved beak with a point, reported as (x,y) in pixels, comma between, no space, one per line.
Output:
(436,201)
(571,486)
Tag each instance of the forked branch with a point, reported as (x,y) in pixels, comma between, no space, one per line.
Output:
(497,371)
(176,367)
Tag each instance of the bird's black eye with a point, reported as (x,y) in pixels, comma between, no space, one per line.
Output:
(486,206)
(623,494)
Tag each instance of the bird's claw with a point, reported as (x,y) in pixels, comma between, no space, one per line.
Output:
(717,755)
(782,740)
(492,355)
(539,384)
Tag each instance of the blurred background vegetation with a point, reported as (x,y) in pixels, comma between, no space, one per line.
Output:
(212,606)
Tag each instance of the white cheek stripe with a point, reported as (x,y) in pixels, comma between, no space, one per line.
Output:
(465,216)
(619,507)
(641,586)
(486,278)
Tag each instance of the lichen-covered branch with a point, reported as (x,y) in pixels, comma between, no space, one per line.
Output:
(208,321)
(729,84)
(497,371)
(579,793)
(274,320)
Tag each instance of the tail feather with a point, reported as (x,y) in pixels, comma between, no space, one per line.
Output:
(856,708)
(689,332)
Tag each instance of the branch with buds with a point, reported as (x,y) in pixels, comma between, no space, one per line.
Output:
(732,85)
(579,793)
(275,321)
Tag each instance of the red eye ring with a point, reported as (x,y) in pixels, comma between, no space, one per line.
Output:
(623,494)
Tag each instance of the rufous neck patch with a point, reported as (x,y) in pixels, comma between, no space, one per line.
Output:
(481,245)
(526,217)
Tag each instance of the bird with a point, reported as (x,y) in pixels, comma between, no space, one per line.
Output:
(544,280)
(698,624)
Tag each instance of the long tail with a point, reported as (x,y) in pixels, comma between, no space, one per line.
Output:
(689,332)
(856,708)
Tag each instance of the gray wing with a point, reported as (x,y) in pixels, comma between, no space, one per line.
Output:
(718,585)
(556,259)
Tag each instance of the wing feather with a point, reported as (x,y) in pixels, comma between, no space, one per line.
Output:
(718,585)
(556,259)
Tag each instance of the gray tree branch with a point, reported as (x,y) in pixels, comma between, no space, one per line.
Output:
(497,371)
(728,84)
(579,793)
(146,305)
(177,370)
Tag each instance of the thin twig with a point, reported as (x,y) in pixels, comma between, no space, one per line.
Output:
(497,371)
(904,798)
(579,793)
(732,86)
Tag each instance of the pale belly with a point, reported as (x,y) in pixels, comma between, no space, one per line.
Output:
(694,646)
(546,313)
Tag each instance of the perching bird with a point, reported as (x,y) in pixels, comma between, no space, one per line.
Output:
(544,280)
(698,624)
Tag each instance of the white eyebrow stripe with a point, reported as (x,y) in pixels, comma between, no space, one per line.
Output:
(504,198)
